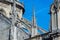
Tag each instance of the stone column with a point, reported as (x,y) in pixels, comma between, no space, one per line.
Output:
(40,38)
(58,38)
(59,19)
(58,12)
(15,33)
(53,19)
(13,27)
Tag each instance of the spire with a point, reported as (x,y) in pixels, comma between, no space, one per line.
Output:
(33,18)
(34,26)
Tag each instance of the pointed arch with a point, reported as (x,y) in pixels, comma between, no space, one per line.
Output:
(2,11)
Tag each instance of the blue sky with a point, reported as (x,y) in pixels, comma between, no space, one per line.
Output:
(42,8)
